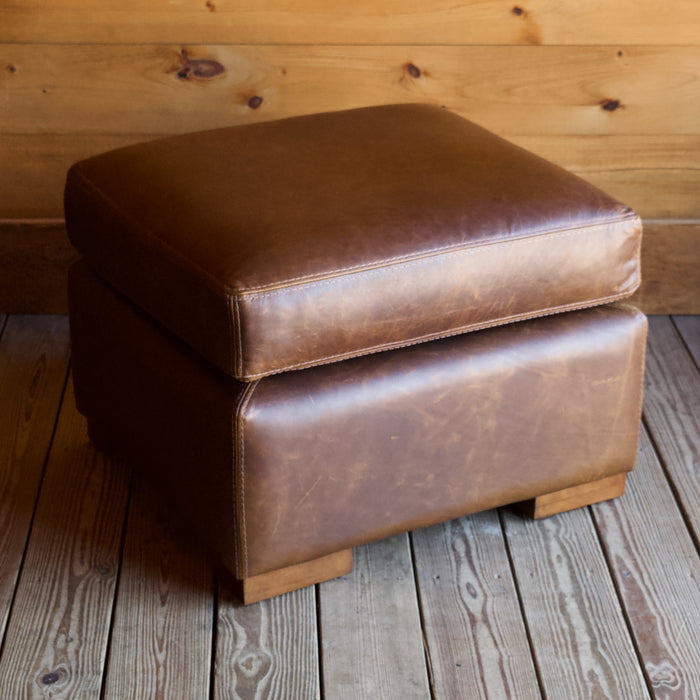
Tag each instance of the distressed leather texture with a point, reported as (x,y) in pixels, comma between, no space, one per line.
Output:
(289,244)
(297,465)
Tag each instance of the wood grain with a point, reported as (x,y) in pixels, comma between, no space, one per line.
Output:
(267,650)
(35,172)
(33,365)
(670,268)
(657,175)
(370,627)
(689,328)
(57,634)
(290,578)
(575,497)
(162,630)
(526,90)
(34,261)
(474,631)
(362,22)
(657,571)
(672,413)
(581,645)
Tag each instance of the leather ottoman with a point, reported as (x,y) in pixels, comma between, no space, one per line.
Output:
(239,284)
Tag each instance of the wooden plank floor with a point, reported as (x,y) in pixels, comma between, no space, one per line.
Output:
(103,594)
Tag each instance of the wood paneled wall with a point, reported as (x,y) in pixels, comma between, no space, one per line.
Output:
(609,90)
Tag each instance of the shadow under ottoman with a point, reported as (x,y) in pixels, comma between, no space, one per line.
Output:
(230,352)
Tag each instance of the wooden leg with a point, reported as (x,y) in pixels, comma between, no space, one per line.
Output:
(268,585)
(576,497)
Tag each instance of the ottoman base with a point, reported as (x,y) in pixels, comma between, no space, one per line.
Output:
(281,477)
(290,578)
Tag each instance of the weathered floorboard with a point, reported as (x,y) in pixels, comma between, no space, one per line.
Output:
(657,571)
(689,328)
(56,642)
(362,21)
(581,645)
(161,643)
(267,650)
(672,413)
(473,627)
(57,634)
(370,627)
(33,366)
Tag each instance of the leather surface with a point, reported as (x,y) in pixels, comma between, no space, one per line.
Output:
(286,244)
(363,449)
(297,465)
(151,400)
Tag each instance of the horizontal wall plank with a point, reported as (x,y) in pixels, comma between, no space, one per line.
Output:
(657,175)
(362,21)
(34,169)
(34,260)
(524,90)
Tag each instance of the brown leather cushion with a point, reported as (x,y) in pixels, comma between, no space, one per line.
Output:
(287,244)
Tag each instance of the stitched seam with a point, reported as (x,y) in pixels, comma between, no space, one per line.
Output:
(377,271)
(234,496)
(239,341)
(240,476)
(436,336)
(88,185)
(640,400)
(231,336)
(638,257)
(461,248)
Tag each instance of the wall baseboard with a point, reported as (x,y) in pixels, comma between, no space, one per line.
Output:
(35,256)
(34,259)
(670,268)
